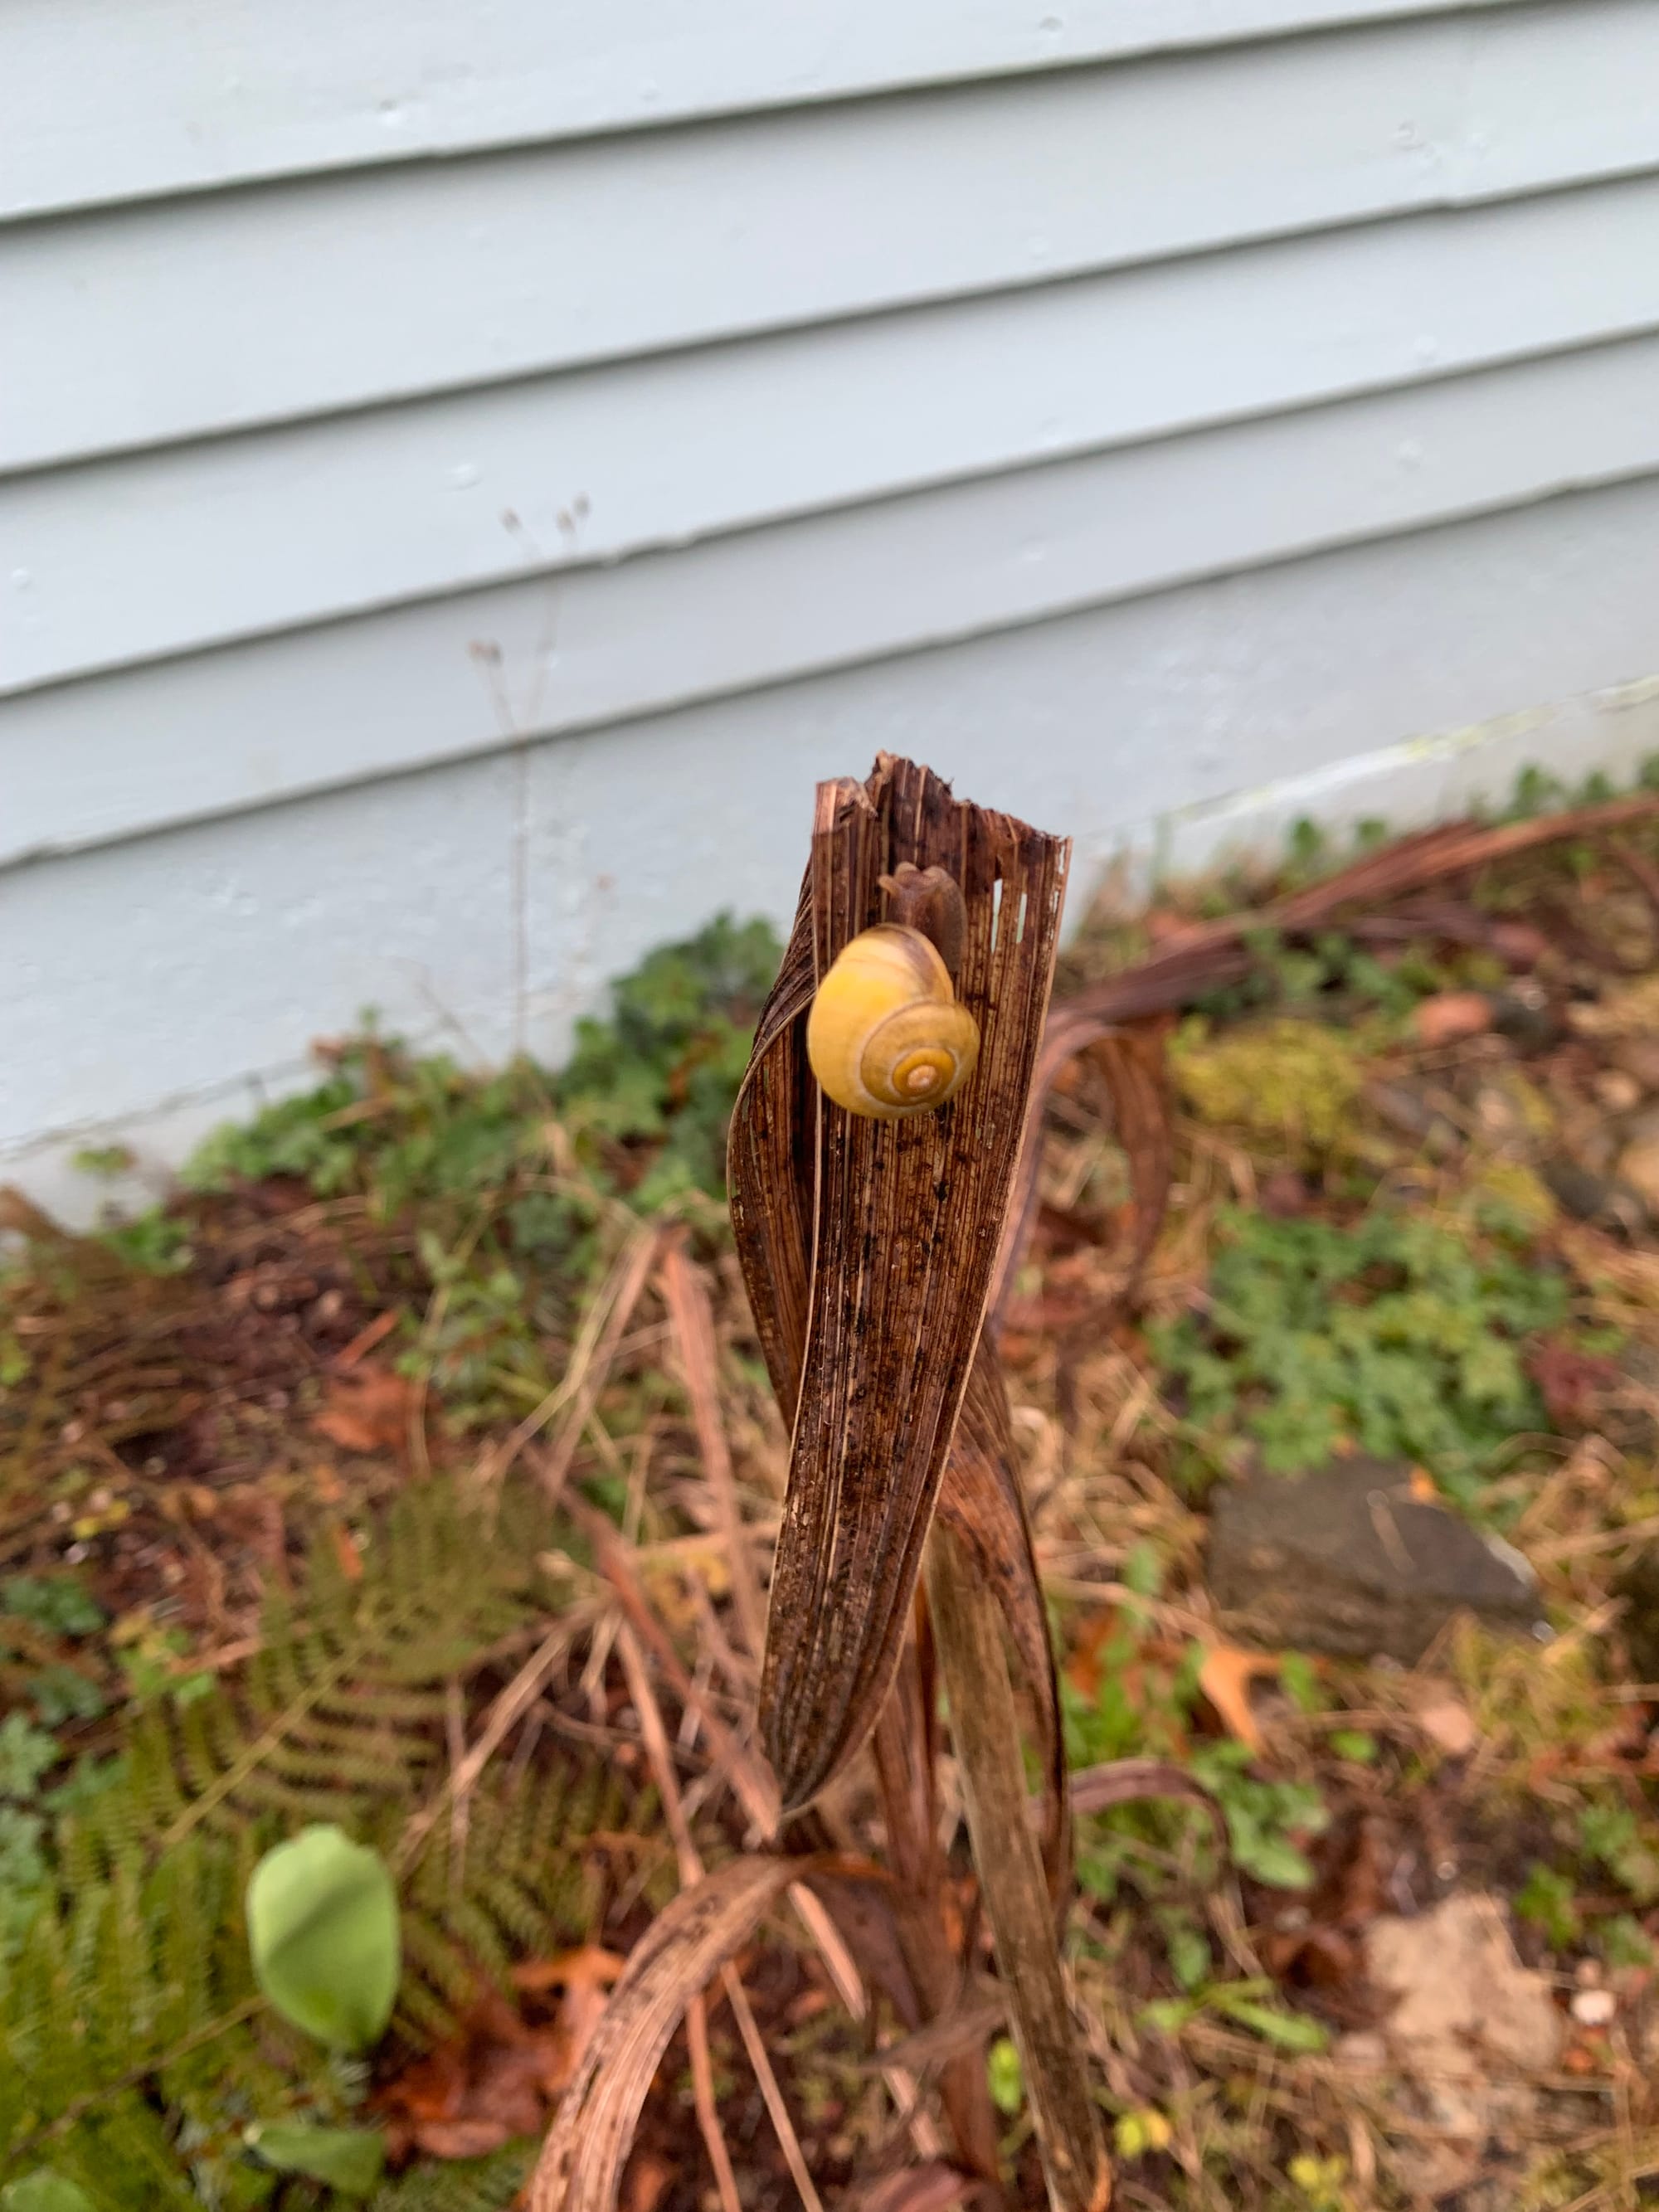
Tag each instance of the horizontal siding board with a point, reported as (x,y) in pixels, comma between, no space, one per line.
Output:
(112,757)
(164,552)
(170,964)
(144,326)
(112,100)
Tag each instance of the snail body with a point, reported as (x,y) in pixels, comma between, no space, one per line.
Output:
(887,1035)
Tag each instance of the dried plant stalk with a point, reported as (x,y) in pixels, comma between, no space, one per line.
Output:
(905,1763)
(868,1248)
(985,1728)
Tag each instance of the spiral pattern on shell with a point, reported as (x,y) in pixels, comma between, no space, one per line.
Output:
(887,1036)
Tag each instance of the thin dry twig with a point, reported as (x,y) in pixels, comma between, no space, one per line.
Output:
(749,1784)
(577,1393)
(506,1709)
(686,1296)
(985,1727)
(753,1792)
(655,1739)
(788,2140)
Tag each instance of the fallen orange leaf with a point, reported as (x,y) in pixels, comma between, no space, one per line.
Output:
(460,2138)
(500,2074)
(1450,1016)
(1226,1678)
(583,1978)
(345,1550)
(648,2182)
(368,1410)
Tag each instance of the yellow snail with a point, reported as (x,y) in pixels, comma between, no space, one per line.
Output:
(887,1035)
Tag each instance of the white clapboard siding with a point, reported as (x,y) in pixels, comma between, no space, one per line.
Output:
(138,557)
(111,99)
(110,757)
(445,449)
(162,967)
(274,304)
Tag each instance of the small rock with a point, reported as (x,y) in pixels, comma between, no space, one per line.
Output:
(1450,1015)
(1449,1724)
(1350,1560)
(1639,1166)
(1469,2023)
(1593,1198)
(1462,1996)
(1526,1016)
(1594,2007)
(1617,1090)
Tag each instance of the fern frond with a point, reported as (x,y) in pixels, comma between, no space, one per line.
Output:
(482,2184)
(134,2048)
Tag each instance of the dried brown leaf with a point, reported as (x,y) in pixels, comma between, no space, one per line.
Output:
(982,1501)
(905,1752)
(581,2163)
(366,1409)
(985,1728)
(497,2077)
(904,1219)
(964,2028)
(1450,1015)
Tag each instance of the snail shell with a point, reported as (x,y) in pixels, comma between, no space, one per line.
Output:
(887,1036)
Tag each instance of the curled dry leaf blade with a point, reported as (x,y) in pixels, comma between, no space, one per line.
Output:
(1132,1056)
(1131,1781)
(982,1502)
(985,1728)
(905,1218)
(905,1755)
(581,2164)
